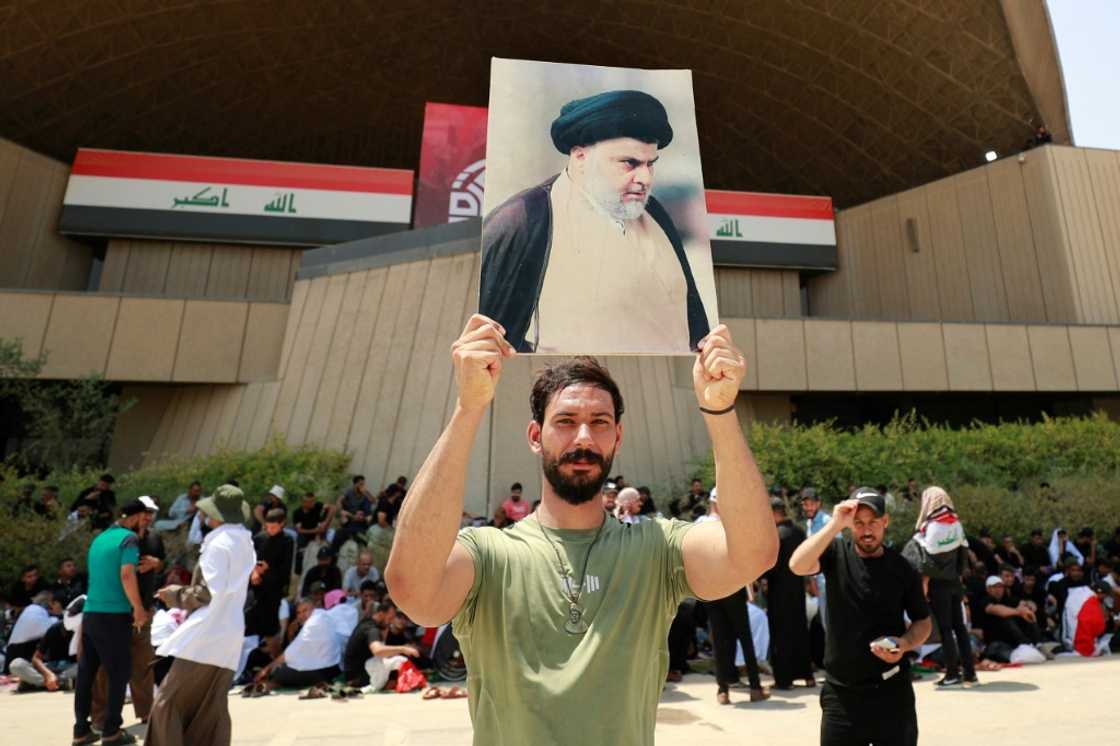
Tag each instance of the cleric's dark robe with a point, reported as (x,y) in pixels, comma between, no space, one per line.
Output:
(516,240)
(790,652)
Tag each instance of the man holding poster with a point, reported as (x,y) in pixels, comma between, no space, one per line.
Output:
(592,241)
(563,616)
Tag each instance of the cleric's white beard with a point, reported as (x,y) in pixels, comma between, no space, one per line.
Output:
(610,200)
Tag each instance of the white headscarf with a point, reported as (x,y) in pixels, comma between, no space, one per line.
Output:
(1070,547)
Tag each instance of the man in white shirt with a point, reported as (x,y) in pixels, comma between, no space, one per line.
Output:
(312,658)
(191,706)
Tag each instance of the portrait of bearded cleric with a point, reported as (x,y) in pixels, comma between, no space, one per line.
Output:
(585,258)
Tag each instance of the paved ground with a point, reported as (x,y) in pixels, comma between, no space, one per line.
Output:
(1061,702)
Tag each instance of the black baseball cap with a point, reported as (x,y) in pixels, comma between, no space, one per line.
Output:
(132,507)
(871,498)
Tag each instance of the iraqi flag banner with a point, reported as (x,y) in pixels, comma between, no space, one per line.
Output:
(752,229)
(231,200)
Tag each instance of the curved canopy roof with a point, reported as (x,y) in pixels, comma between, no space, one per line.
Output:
(853,98)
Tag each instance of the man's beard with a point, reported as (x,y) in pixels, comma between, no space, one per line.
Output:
(866,549)
(578,489)
(608,198)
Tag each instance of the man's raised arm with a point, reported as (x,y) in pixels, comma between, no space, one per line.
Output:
(721,557)
(428,574)
(806,558)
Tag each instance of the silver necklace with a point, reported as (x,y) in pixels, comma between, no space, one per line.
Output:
(575,624)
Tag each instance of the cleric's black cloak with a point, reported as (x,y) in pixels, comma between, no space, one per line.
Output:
(516,241)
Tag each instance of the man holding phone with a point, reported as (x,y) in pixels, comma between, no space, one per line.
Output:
(867,697)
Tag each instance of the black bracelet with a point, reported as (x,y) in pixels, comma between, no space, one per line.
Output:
(718,411)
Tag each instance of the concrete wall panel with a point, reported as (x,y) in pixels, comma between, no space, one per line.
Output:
(210,344)
(830,355)
(922,350)
(877,357)
(781,355)
(1051,355)
(966,357)
(147,335)
(1009,350)
(1092,358)
(78,335)
(25,316)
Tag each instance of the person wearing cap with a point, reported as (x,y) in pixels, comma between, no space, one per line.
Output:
(867,696)
(729,621)
(191,706)
(815,520)
(272,500)
(149,572)
(113,610)
(325,572)
(275,552)
(1005,626)
(790,652)
(546,250)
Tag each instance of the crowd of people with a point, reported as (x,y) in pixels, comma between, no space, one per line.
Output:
(317,614)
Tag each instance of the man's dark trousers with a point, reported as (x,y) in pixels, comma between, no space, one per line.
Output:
(730,623)
(881,715)
(106,641)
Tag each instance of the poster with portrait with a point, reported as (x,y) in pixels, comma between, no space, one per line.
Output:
(595,235)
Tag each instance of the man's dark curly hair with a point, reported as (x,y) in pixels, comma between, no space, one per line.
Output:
(583,369)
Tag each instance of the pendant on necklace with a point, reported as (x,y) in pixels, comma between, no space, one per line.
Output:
(575,624)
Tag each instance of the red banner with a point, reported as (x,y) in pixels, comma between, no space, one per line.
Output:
(452,164)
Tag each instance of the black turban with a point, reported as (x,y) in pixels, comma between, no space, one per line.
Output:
(604,116)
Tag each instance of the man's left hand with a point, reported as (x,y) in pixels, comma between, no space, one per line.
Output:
(890,656)
(719,369)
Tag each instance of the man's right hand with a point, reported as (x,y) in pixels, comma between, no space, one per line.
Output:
(139,618)
(411,651)
(844,514)
(477,356)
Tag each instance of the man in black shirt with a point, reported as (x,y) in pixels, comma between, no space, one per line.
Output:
(790,655)
(100,501)
(367,642)
(269,581)
(70,583)
(1035,553)
(29,585)
(326,572)
(867,697)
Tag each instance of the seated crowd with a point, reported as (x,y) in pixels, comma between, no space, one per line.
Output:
(319,615)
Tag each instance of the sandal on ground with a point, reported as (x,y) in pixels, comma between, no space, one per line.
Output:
(759,695)
(88,738)
(724,698)
(120,737)
(432,692)
(316,692)
(454,692)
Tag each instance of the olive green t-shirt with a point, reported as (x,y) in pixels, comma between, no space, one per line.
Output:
(530,681)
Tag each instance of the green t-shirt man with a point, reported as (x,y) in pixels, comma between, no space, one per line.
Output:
(113,548)
(532,682)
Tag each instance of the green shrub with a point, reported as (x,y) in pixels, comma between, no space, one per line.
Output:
(993,472)
(296,469)
(1005,455)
